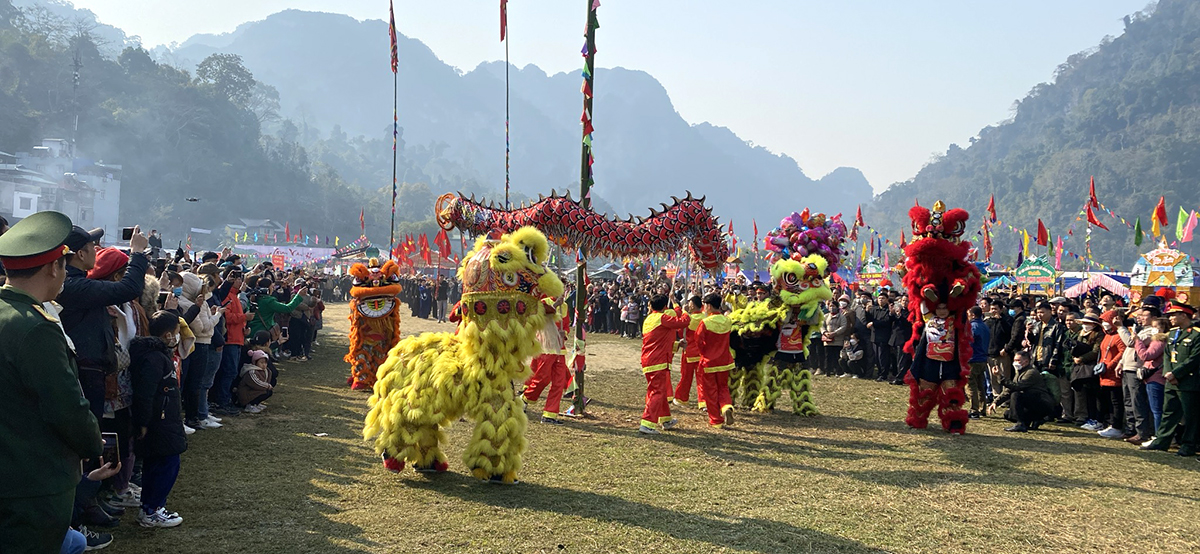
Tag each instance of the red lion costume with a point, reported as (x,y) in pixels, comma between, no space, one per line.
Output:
(938,275)
(374,319)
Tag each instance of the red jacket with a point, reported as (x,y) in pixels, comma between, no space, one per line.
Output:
(1112,348)
(692,352)
(659,332)
(235,319)
(713,336)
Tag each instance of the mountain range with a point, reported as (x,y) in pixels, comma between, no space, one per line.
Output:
(331,70)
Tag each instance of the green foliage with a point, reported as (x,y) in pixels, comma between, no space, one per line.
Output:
(1127,112)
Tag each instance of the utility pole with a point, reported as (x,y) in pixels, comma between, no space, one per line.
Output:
(76,65)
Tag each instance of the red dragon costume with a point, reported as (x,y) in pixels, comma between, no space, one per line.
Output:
(374,319)
(942,285)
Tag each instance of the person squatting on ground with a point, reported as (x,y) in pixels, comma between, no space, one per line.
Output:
(1029,398)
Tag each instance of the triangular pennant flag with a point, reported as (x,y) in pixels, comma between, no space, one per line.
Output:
(1058,252)
(1189,228)
(1092,201)
(991,209)
(1025,243)
(1043,235)
(1137,231)
(1091,218)
(1180,223)
(1160,216)
(903,241)
(858,218)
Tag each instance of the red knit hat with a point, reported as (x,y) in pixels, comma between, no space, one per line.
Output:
(108,261)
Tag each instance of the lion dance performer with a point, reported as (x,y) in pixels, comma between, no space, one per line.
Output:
(942,285)
(430,380)
(806,249)
(374,319)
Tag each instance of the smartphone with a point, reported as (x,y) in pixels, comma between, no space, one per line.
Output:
(112,450)
(126,233)
(162,297)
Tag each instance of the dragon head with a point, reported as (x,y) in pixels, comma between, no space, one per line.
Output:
(507,277)
(801,282)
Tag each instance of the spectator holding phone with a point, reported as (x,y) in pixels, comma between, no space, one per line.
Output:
(235,338)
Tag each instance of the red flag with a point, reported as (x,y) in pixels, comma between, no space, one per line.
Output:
(287,233)
(1043,236)
(443,243)
(991,209)
(755,223)
(1091,218)
(392,34)
(987,242)
(1092,192)
(362,220)
(423,242)
(503,19)
(410,244)
(1160,211)
(858,220)
(903,242)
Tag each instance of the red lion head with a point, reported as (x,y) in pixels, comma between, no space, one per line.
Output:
(939,224)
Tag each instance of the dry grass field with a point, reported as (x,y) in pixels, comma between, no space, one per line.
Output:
(851,480)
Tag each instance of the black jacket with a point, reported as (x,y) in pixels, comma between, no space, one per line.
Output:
(901,330)
(85,316)
(882,320)
(156,400)
(1016,334)
(1001,329)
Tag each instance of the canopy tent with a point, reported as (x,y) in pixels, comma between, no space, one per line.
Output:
(1097,280)
(1002,281)
(603,275)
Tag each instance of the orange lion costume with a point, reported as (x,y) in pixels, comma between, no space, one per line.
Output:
(374,319)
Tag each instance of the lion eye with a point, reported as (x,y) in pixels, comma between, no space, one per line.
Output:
(510,279)
(529,253)
(504,257)
(789,279)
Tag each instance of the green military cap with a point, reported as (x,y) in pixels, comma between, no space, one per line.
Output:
(35,241)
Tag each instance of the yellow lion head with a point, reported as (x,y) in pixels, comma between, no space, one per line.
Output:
(508,276)
(801,282)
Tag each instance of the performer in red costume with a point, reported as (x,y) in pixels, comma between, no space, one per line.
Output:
(659,333)
(942,285)
(690,359)
(550,367)
(716,360)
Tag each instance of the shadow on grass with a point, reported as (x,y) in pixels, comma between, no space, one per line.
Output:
(719,530)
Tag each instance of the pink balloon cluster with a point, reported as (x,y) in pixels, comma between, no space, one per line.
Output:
(801,234)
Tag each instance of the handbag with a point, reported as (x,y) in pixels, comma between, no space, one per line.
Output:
(1099,368)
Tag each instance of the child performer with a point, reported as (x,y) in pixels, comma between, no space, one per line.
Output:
(715,361)
(659,332)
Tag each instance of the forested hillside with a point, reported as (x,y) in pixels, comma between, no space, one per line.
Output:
(1127,111)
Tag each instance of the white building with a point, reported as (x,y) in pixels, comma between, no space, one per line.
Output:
(51,178)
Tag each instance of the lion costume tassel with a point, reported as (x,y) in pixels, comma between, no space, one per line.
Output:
(374,319)
(429,381)
(942,285)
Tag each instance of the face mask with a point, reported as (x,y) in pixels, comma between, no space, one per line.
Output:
(1012,313)
(853,341)
(843,304)
(177,291)
(1017,366)
(173,341)
(1107,326)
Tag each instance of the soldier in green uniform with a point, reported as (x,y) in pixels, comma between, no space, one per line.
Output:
(46,427)
(1181,369)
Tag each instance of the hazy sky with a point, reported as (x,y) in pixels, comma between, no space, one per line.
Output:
(879,85)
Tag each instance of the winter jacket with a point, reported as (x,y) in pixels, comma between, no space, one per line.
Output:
(204,323)
(713,336)
(1000,329)
(981,337)
(1017,334)
(235,319)
(901,330)
(85,305)
(881,320)
(253,381)
(156,401)
(1045,343)
(1087,351)
(268,308)
(1112,349)
(1150,346)
(659,331)
(1031,382)
(1129,359)
(835,328)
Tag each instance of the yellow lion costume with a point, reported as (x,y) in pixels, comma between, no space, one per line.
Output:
(374,319)
(773,336)
(429,381)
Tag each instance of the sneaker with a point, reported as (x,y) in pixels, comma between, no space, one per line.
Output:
(1112,433)
(135,489)
(1091,425)
(109,508)
(670,424)
(678,403)
(127,499)
(252,409)
(974,415)
(95,541)
(188,430)
(727,414)
(208,424)
(647,430)
(1018,428)
(844,376)
(159,518)
(229,410)
(854,377)
(552,420)
(213,418)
